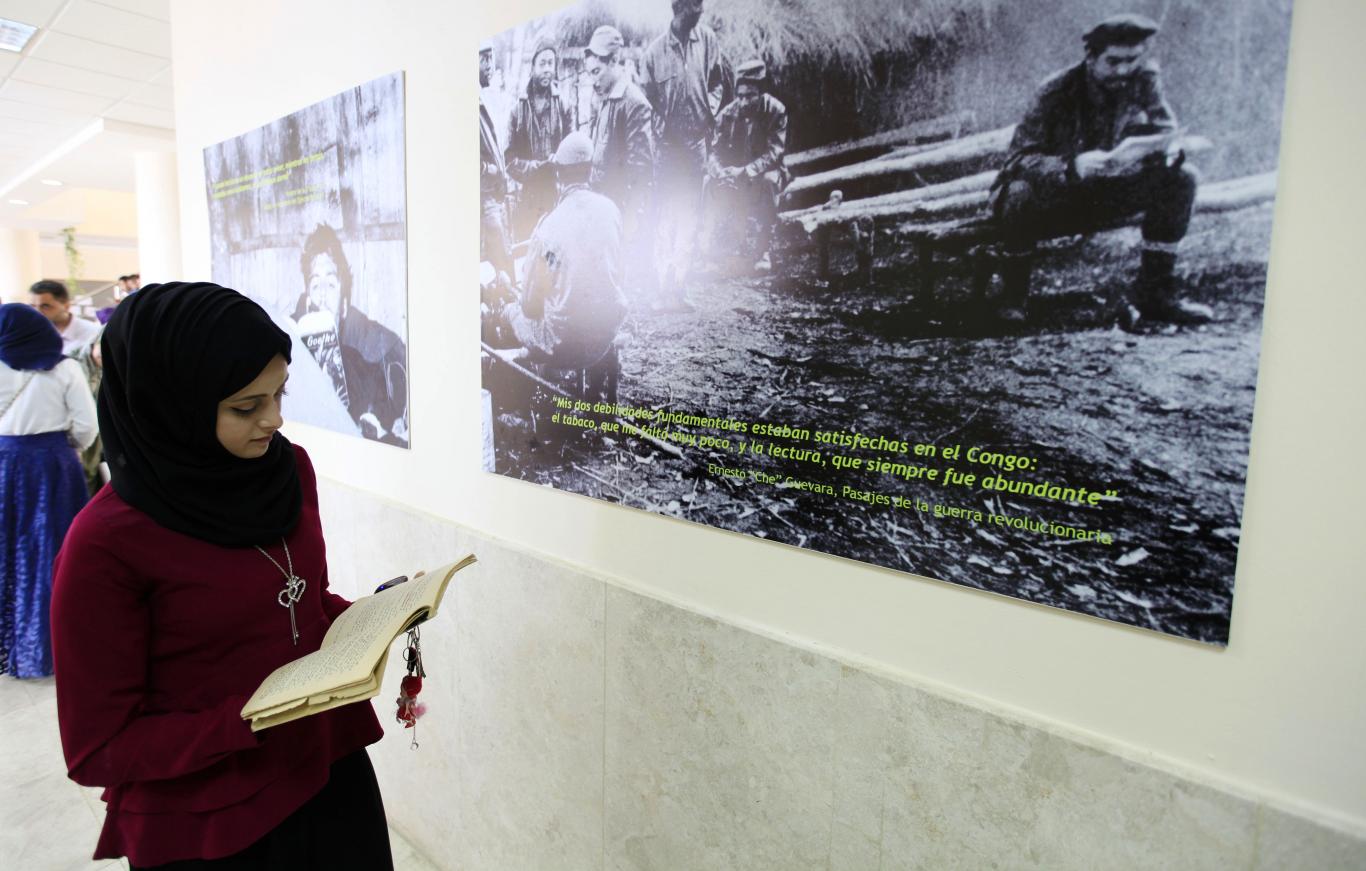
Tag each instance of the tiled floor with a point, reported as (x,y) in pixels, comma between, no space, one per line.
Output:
(48,823)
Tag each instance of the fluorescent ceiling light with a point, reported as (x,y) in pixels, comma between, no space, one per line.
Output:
(14,35)
(18,202)
(52,182)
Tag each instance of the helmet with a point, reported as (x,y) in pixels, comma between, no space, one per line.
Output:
(576,148)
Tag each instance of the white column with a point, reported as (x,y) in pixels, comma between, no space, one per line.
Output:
(21,263)
(158,196)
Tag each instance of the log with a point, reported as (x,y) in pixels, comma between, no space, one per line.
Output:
(978,146)
(1238,193)
(895,203)
(1224,196)
(921,203)
(950,125)
(919,158)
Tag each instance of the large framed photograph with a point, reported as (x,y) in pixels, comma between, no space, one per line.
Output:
(308,216)
(972,291)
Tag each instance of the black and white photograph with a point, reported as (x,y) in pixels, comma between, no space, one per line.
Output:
(308,217)
(968,290)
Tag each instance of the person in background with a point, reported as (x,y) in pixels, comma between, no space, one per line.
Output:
(125,285)
(46,415)
(571,304)
(1098,143)
(746,174)
(494,235)
(686,80)
(168,612)
(53,300)
(367,361)
(89,358)
(621,129)
(538,124)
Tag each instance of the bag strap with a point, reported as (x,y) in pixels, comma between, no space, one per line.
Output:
(22,387)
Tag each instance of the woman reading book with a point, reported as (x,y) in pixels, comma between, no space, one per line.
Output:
(183,585)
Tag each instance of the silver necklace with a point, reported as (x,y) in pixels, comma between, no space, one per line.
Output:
(294,586)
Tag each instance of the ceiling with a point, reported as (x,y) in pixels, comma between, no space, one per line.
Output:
(91,88)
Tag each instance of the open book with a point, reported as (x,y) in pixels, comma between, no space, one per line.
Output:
(1134,150)
(350,664)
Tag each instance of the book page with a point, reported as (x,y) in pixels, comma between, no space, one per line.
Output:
(357,639)
(299,708)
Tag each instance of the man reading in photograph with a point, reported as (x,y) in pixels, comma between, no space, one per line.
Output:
(1098,144)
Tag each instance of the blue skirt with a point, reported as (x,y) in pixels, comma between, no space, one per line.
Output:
(42,487)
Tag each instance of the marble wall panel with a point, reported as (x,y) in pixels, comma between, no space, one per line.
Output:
(720,744)
(531,730)
(575,724)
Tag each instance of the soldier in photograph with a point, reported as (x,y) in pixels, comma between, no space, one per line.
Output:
(494,238)
(571,303)
(1098,144)
(623,147)
(745,169)
(539,122)
(685,78)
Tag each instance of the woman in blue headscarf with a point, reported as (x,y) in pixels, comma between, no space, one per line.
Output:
(46,414)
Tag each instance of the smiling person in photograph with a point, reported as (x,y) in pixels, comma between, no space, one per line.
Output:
(366,361)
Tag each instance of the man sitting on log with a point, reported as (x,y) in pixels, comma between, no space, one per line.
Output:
(745,169)
(1099,144)
(571,304)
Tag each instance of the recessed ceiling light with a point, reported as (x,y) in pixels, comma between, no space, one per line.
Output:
(18,202)
(52,182)
(14,35)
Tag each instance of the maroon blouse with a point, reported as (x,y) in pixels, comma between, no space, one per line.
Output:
(158,640)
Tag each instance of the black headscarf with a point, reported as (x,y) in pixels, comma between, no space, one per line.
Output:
(172,352)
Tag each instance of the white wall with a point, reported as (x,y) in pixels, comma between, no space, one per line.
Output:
(97,263)
(20,263)
(1281,711)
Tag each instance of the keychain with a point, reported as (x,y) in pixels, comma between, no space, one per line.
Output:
(409,708)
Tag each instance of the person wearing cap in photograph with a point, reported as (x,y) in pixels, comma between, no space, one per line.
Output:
(495,243)
(1086,154)
(745,170)
(621,126)
(686,80)
(571,303)
(623,148)
(539,122)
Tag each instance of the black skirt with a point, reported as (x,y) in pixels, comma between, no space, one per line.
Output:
(342,827)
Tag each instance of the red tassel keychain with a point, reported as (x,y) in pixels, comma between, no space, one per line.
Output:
(409,708)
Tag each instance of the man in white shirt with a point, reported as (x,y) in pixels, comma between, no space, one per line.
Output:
(54,301)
